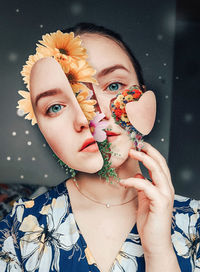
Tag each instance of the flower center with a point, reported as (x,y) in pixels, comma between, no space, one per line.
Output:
(71,77)
(63,51)
(92,129)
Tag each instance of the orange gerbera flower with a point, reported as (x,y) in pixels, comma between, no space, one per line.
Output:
(79,71)
(77,87)
(61,46)
(25,105)
(26,71)
(67,50)
(87,105)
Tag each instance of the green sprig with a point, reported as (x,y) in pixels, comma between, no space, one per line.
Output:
(106,171)
(69,171)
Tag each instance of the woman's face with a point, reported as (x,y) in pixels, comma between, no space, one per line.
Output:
(114,73)
(59,115)
(61,119)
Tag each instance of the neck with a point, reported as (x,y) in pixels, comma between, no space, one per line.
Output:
(101,190)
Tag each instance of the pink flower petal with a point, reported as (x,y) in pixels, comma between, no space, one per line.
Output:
(99,135)
(98,117)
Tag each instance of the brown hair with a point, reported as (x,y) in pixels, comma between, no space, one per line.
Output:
(82,28)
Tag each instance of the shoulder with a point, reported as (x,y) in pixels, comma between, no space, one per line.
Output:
(47,200)
(186,212)
(186,205)
(25,207)
(186,215)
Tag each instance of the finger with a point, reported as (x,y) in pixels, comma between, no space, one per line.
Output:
(144,185)
(158,176)
(143,205)
(155,154)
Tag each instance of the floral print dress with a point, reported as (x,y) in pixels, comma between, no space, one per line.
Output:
(42,235)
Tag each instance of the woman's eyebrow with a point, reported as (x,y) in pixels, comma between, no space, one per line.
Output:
(47,93)
(111,69)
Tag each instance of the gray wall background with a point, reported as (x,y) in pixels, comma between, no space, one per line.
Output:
(184,147)
(147,26)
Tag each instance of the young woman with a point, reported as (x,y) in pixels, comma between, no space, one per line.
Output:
(90,224)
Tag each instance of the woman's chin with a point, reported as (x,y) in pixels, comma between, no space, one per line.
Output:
(91,166)
(117,160)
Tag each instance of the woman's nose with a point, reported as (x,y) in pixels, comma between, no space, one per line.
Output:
(103,104)
(80,121)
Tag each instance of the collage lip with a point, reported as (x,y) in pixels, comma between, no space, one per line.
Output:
(111,133)
(87,143)
(91,141)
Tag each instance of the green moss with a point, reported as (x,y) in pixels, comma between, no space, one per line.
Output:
(107,171)
(69,171)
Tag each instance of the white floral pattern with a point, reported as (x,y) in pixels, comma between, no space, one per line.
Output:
(41,244)
(127,257)
(42,235)
(8,258)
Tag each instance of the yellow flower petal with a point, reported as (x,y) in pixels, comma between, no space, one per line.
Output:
(26,105)
(27,68)
(79,71)
(64,43)
(77,87)
(87,106)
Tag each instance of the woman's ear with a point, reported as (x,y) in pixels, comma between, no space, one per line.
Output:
(142,113)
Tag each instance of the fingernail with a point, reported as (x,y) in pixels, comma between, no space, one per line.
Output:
(138,175)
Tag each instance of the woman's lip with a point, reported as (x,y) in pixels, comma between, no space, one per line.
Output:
(88,143)
(112,136)
(91,148)
(111,133)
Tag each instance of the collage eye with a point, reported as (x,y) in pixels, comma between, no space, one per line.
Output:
(115,87)
(55,109)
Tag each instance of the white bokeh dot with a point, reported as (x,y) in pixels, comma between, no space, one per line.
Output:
(29,143)
(44,145)
(12,57)
(33,158)
(186,174)
(21,176)
(17,10)
(45,175)
(8,158)
(20,112)
(147,54)
(165,64)
(188,117)
(159,37)
(41,26)
(159,77)
(177,77)
(19,158)
(162,139)
(166,96)
(14,133)
(76,8)
(26,132)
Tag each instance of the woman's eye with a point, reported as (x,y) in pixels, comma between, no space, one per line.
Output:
(54,108)
(115,86)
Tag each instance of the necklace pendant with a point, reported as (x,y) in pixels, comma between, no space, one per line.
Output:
(107,205)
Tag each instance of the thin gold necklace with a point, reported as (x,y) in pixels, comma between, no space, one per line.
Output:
(107,205)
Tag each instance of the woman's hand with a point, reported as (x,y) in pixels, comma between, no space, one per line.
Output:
(155,204)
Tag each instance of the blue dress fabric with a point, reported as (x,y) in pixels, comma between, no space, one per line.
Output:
(42,235)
